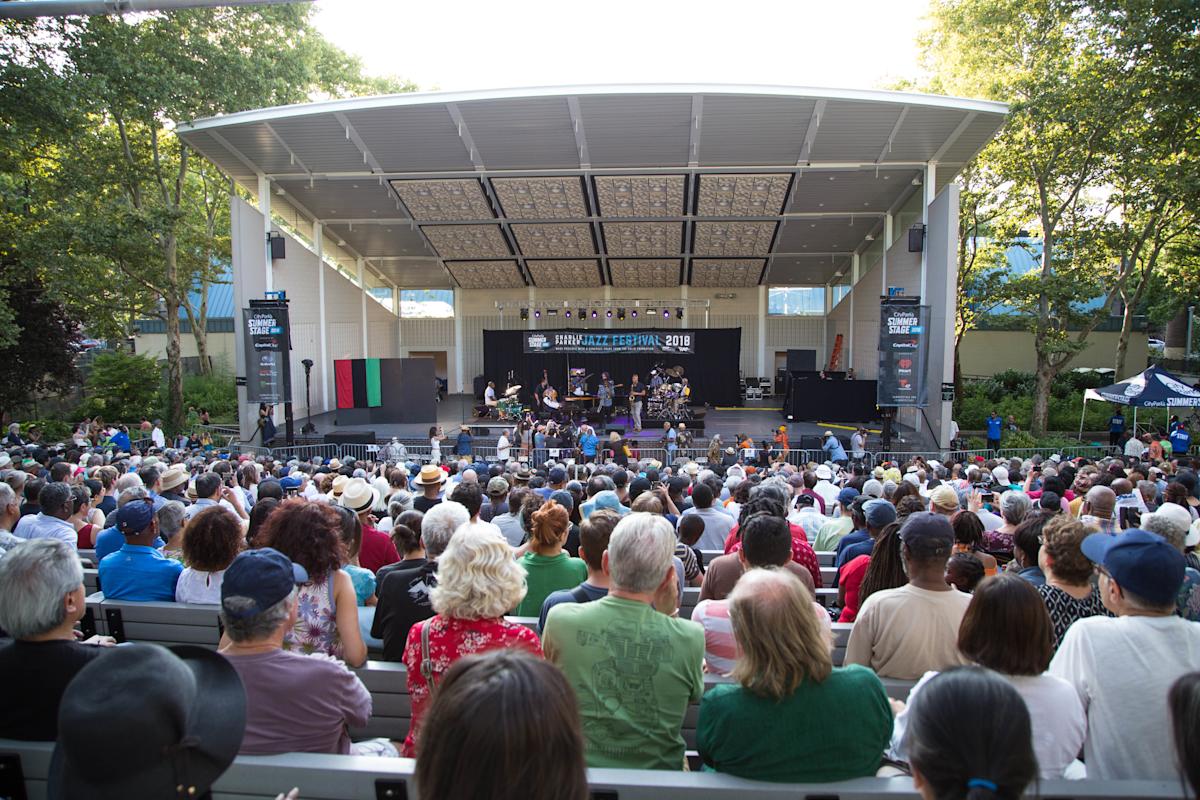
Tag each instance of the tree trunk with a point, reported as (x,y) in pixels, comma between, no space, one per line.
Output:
(171,302)
(200,327)
(1123,339)
(1044,376)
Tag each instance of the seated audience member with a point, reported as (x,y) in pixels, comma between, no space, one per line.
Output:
(792,716)
(351,533)
(594,533)
(903,633)
(1014,506)
(884,569)
(406,535)
(478,582)
(377,549)
(263,508)
(806,515)
(41,599)
(295,703)
(509,522)
(969,736)
(964,571)
(172,517)
(764,500)
(1123,668)
(690,529)
(404,592)
(213,539)
(772,548)
(634,725)
(1172,522)
(1006,629)
(842,524)
(968,538)
(500,712)
(1184,701)
(852,574)
(875,515)
(717,523)
(310,535)
(496,501)
(54,507)
(1027,550)
(1068,591)
(547,566)
(162,723)
(138,571)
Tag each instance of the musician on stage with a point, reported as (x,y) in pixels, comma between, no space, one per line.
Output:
(539,391)
(656,379)
(489,395)
(605,394)
(637,394)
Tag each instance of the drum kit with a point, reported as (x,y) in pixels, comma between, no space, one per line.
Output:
(509,407)
(668,398)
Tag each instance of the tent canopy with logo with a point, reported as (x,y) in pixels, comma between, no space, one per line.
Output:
(1152,388)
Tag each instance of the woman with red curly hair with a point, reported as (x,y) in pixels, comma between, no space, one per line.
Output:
(547,566)
(327,615)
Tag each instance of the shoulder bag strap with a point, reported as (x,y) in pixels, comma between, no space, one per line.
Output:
(426,660)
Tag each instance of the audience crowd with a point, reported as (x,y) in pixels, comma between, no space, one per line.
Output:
(1044,611)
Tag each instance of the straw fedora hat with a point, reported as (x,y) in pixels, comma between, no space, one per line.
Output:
(358,496)
(430,475)
(173,478)
(339,485)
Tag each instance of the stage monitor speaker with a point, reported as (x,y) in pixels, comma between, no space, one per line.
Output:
(350,437)
(278,247)
(916,238)
(480,384)
(801,360)
(810,442)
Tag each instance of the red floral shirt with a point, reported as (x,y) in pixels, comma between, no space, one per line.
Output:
(450,639)
(802,552)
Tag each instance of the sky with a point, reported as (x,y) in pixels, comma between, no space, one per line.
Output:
(464,45)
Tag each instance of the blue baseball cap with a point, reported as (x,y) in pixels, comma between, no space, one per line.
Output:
(264,576)
(290,482)
(1140,561)
(879,513)
(846,496)
(558,475)
(135,516)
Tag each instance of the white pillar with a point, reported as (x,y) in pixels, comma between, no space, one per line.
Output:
(683,296)
(264,206)
(608,299)
(887,243)
(326,367)
(458,340)
(399,321)
(532,299)
(762,331)
(362,285)
(928,188)
(850,300)
(823,361)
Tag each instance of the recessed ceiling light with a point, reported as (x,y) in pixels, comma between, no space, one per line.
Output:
(831,177)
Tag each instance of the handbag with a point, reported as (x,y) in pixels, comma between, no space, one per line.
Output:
(426,660)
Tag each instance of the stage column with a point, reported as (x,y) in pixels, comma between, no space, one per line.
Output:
(762,331)
(399,321)
(362,287)
(458,340)
(887,242)
(850,299)
(319,245)
(941,247)
(929,187)
(531,323)
(608,300)
(264,207)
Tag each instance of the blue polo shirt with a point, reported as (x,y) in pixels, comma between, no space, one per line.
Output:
(1181,440)
(140,573)
(110,540)
(994,426)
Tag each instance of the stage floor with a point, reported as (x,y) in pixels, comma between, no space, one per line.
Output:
(758,418)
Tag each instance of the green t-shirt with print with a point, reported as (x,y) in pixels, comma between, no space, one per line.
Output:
(544,575)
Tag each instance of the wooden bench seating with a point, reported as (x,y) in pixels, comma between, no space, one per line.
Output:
(332,777)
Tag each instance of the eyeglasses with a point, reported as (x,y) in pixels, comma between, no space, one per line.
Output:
(1099,570)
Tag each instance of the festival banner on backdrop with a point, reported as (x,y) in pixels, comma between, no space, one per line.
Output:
(268,363)
(610,341)
(903,346)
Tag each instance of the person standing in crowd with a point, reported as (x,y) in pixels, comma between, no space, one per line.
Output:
(478,583)
(436,437)
(637,395)
(41,600)
(604,394)
(970,736)
(1116,426)
(903,633)
(503,712)
(1181,440)
(792,716)
(834,450)
(1123,668)
(632,721)
(995,429)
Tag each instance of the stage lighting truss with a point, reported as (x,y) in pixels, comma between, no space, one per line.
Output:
(620,308)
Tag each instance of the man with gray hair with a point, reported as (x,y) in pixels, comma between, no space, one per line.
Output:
(10,513)
(41,599)
(295,703)
(634,666)
(51,522)
(404,593)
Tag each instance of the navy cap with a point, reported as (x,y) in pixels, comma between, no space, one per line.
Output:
(558,475)
(290,482)
(264,576)
(927,534)
(135,516)
(1140,561)
(846,496)
(879,513)
(564,499)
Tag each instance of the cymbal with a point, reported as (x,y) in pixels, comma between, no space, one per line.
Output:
(674,372)
(510,391)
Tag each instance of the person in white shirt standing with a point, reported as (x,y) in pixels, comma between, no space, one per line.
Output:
(1123,668)
(502,447)
(157,436)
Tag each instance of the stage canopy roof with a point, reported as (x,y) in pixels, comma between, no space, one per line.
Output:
(635,187)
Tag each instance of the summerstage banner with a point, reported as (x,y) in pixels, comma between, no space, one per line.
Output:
(268,342)
(903,344)
(610,342)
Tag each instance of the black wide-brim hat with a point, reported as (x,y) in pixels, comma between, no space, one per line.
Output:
(145,721)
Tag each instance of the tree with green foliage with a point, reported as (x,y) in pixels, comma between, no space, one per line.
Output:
(118,213)
(39,344)
(121,387)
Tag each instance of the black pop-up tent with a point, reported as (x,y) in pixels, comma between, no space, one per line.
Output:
(1153,388)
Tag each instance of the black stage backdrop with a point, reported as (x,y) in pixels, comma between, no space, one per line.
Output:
(712,370)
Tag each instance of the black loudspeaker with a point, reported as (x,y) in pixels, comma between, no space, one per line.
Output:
(278,247)
(801,360)
(916,238)
(810,442)
(479,384)
(350,437)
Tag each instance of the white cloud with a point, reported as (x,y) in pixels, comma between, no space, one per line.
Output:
(486,45)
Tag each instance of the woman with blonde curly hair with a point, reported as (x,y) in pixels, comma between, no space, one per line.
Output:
(547,566)
(478,582)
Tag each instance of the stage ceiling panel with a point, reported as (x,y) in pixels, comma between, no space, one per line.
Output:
(583,273)
(804,270)
(414,273)
(720,272)
(651,176)
(486,274)
(644,273)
